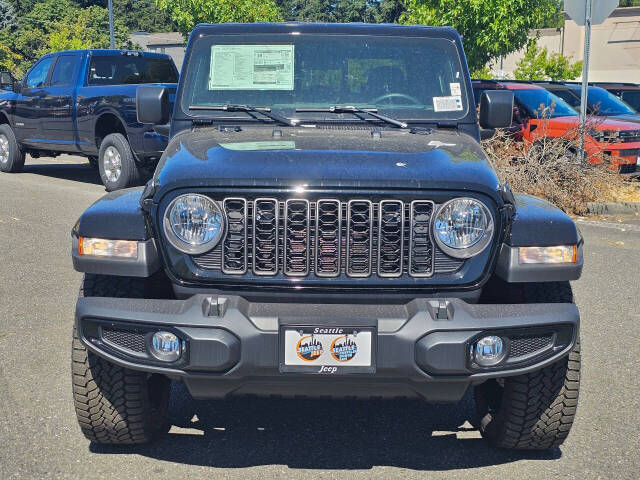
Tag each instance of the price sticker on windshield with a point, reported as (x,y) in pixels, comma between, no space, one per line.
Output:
(251,67)
(447,104)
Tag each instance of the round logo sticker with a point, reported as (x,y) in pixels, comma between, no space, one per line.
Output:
(309,349)
(343,349)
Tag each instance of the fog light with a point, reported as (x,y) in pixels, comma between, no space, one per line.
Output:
(488,351)
(166,346)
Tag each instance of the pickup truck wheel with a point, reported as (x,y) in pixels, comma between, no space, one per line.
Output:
(534,411)
(11,157)
(115,405)
(117,165)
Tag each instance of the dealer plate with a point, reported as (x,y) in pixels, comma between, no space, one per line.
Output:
(327,350)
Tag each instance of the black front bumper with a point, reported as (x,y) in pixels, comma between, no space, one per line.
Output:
(233,346)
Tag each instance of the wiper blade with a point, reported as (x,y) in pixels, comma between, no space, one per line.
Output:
(281,119)
(373,112)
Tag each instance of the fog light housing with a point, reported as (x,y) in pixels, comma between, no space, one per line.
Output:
(166,346)
(488,351)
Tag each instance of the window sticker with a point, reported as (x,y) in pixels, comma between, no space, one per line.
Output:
(251,67)
(455,90)
(447,104)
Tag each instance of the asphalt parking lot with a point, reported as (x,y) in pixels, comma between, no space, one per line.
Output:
(250,438)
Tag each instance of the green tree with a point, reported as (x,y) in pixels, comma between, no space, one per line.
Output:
(537,64)
(489,28)
(188,13)
(7,15)
(89,29)
(142,15)
(9,61)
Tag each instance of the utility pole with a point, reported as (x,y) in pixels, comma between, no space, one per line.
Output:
(585,78)
(112,42)
(584,12)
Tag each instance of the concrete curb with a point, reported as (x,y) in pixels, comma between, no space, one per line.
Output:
(613,208)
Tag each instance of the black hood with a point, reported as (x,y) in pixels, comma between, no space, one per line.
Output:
(325,158)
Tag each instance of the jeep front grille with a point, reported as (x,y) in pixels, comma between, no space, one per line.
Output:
(328,238)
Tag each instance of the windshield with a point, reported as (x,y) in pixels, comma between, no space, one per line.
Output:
(540,103)
(602,102)
(632,98)
(412,78)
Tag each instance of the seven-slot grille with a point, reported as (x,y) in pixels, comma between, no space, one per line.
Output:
(327,238)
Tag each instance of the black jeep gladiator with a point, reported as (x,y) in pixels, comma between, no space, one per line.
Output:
(325,223)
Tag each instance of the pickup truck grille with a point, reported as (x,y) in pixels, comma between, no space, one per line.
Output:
(327,238)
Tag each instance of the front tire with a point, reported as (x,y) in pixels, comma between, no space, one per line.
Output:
(11,156)
(115,405)
(534,411)
(117,165)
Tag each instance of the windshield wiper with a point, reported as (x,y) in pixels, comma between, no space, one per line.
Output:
(373,112)
(248,109)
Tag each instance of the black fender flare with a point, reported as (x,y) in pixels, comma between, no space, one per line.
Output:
(116,216)
(538,223)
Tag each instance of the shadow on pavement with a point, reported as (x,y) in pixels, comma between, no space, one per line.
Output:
(317,434)
(80,172)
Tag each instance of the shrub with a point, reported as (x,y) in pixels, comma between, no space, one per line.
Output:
(549,169)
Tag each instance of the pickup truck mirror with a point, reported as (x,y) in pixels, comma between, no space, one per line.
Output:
(152,105)
(496,109)
(6,80)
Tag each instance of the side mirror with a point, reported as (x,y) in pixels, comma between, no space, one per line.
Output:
(496,109)
(152,105)
(6,80)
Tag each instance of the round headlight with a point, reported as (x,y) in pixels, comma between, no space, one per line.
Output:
(193,223)
(463,227)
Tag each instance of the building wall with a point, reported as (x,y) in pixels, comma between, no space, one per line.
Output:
(615,47)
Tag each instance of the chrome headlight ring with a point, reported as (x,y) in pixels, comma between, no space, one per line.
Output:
(475,245)
(204,218)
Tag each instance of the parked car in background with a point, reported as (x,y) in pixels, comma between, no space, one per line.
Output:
(600,102)
(83,102)
(539,113)
(629,92)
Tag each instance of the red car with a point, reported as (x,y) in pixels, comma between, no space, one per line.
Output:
(538,112)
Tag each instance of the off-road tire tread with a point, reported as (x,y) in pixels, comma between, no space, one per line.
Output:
(537,409)
(111,402)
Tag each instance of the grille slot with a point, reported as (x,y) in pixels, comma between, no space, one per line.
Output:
(528,344)
(131,340)
(266,213)
(297,219)
(328,238)
(420,245)
(359,238)
(234,247)
(390,238)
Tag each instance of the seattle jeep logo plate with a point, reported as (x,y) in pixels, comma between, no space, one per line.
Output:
(327,350)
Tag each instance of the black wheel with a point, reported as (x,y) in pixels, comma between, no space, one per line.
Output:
(11,157)
(116,163)
(534,411)
(115,405)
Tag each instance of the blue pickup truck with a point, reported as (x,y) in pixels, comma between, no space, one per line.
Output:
(83,102)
